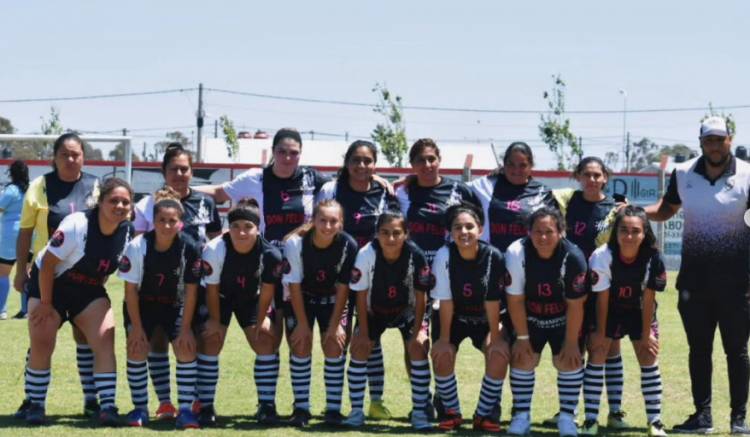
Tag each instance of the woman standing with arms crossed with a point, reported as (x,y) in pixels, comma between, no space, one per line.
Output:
(67,283)
(201,221)
(11,203)
(49,199)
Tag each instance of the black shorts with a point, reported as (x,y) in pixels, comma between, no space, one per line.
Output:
(475,330)
(156,315)
(589,314)
(68,300)
(318,309)
(244,308)
(622,323)
(555,336)
(404,322)
(7,261)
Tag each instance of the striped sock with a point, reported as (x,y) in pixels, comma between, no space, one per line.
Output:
(522,387)
(301,370)
(266,373)
(334,380)
(158,369)
(36,385)
(208,377)
(615,378)
(448,389)
(138,382)
(651,389)
(376,373)
(26,366)
(357,375)
(569,390)
(489,395)
(106,388)
(593,380)
(85,361)
(419,374)
(186,376)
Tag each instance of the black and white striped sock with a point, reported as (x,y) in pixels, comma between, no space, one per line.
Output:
(106,389)
(138,383)
(85,361)
(186,376)
(357,377)
(651,389)
(334,380)
(569,390)
(266,374)
(489,395)
(301,369)
(419,374)
(376,373)
(593,382)
(158,368)
(36,385)
(614,377)
(208,377)
(522,387)
(448,389)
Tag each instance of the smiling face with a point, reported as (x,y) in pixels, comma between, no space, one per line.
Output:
(545,236)
(167,223)
(178,173)
(465,230)
(361,164)
(328,222)
(592,179)
(243,234)
(426,166)
(116,205)
(518,168)
(630,234)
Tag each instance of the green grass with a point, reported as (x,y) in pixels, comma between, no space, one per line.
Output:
(236,398)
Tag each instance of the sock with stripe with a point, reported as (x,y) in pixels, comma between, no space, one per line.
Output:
(522,388)
(106,388)
(376,373)
(651,389)
(569,390)
(85,361)
(419,374)
(36,385)
(158,369)
(448,389)
(138,383)
(357,378)
(489,395)
(593,382)
(186,376)
(301,372)
(334,381)
(614,377)
(266,374)
(208,377)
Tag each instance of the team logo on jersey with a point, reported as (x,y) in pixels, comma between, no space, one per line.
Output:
(58,238)
(125,264)
(197,268)
(594,277)
(356,275)
(579,283)
(207,269)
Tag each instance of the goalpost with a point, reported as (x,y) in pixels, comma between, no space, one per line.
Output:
(87,138)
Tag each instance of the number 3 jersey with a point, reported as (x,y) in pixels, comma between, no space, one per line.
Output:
(626,281)
(161,275)
(392,285)
(319,270)
(546,283)
(469,283)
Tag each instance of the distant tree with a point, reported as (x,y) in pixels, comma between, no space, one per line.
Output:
(611,159)
(6,127)
(554,128)
(161,146)
(391,134)
(678,150)
(230,137)
(118,153)
(642,154)
(731,125)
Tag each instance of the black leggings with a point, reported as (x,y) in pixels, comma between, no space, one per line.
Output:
(701,312)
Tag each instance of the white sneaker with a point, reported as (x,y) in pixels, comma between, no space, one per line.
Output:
(3,316)
(567,426)
(520,424)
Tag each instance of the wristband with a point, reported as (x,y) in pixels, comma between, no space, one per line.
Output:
(522,337)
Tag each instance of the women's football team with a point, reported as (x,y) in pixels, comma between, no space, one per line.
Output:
(503,261)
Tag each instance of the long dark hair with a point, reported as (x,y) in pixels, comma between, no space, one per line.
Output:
(172,151)
(281,135)
(343,173)
(19,175)
(649,240)
(464,207)
(61,140)
(547,211)
(588,160)
(516,146)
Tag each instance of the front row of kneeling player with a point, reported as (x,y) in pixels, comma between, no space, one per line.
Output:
(510,307)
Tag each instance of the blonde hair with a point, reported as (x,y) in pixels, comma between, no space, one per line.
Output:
(305,229)
(167,197)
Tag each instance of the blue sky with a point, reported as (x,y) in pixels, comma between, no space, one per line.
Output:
(483,54)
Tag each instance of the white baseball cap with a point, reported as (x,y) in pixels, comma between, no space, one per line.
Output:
(714,126)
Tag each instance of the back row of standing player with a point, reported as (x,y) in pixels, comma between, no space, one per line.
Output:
(286,194)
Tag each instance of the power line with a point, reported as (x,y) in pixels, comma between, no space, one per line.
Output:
(98,96)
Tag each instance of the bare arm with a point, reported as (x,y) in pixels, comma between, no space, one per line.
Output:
(215,191)
(517,310)
(23,246)
(661,210)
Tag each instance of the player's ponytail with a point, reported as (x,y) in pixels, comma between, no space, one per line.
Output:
(167,198)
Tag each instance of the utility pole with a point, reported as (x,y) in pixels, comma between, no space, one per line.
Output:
(627,152)
(216,128)
(199,121)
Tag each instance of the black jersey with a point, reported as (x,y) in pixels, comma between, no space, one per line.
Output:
(237,273)
(319,270)
(64,198)
(588,223)
(87,257)
(469,283)
(201,216)
(546,283)
(508,206)
(425,207)
(285,203)
(161,276)
(361,210)
(392,286)
(626,281)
